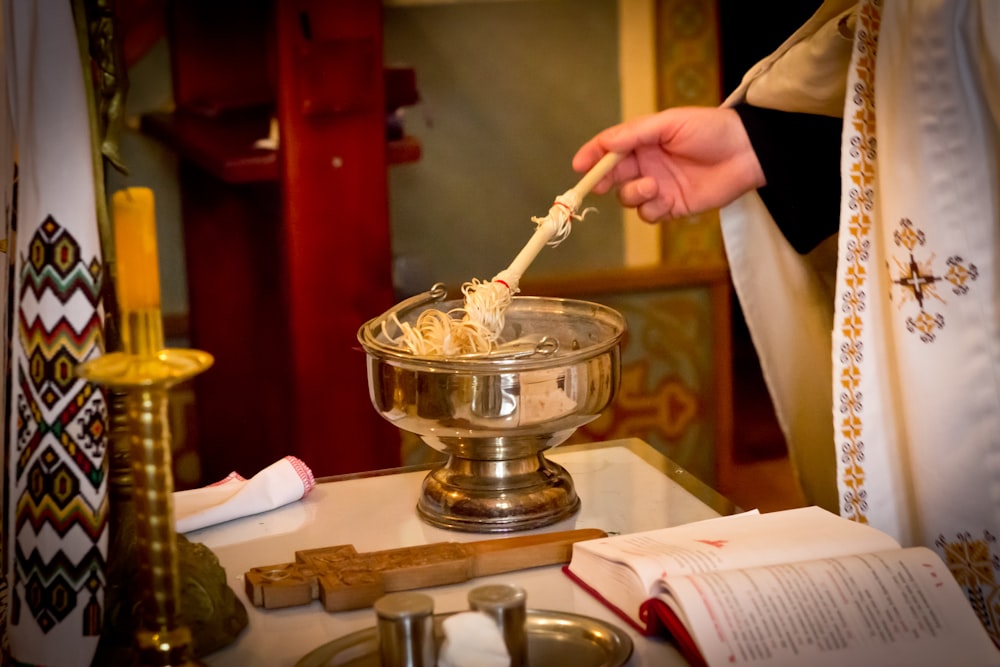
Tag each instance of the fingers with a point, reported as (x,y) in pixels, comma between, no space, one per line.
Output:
(615,138)
(624,138)
(636,193)
(643,194)
(635,190)
(619,138)
(588,155)
(649,130)
(656,210)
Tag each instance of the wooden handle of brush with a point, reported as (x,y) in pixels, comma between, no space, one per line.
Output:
(596,173)
(548,228)
(512,274)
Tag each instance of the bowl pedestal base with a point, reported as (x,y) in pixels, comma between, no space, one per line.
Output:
(497,496)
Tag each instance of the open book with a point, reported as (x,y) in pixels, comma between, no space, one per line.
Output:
(791,588)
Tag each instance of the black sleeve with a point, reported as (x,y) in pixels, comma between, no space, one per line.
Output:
(800,156)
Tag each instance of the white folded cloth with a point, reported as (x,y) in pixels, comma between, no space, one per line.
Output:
(282,482)
(472,639)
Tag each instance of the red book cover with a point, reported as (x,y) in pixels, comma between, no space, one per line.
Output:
(657,619)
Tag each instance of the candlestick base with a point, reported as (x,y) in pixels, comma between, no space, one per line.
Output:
(144,380)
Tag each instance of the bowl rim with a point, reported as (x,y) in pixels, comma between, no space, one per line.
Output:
(396,356)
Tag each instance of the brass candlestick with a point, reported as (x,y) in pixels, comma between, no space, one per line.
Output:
(144,374)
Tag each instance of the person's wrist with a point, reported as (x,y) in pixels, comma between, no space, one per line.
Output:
(749,167)
(755,172)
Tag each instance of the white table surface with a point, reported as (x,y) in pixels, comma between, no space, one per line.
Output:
(625,486)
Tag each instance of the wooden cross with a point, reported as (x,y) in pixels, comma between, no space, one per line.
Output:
(344,579)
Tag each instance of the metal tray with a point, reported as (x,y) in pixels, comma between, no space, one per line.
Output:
(554,638)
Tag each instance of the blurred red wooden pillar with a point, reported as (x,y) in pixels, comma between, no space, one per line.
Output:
(287,252)
(335,214)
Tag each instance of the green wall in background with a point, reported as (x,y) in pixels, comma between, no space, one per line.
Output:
(510,90)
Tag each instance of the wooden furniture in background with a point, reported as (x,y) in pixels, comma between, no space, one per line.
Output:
(287,250)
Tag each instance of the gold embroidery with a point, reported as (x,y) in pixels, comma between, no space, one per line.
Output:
(970,561)
(861,124)
(920,284)
(974,566)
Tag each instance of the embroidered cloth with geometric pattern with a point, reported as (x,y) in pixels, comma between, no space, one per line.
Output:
(57,485)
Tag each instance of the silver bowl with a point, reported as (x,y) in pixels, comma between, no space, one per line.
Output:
(496,415)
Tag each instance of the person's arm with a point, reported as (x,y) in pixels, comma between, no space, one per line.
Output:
(799,154)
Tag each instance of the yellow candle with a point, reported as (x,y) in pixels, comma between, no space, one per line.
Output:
(135,249)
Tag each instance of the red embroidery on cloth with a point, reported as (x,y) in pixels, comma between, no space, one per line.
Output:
(58,455)
(231,477)
(304,473)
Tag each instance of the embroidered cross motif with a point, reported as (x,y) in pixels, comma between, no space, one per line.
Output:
(919,282)
(975,566)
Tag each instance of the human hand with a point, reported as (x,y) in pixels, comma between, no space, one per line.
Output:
(677,162)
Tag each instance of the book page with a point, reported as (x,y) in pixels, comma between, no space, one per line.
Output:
(900,607)
(742,540)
